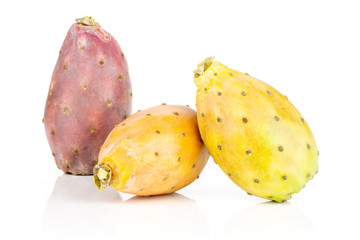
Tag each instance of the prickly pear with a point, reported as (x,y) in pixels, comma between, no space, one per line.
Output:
(90,92)
(253,132)
(155,151)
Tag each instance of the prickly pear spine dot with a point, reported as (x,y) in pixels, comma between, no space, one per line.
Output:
(121,76)
(179,159)
(245,120)
(248,152)
(219,147)
(268,92)
(218,119)
(243,93)
(156,154)
(219,94)
(157,131)
(75,151)
(281,148)
(277,118)
(308,146)
(194,165)
(176,113)
(202,115)
(109,103)
(92,129)
(256,180)
(183,134)
(66,111)
(284,177)
(148,114)
(52,132)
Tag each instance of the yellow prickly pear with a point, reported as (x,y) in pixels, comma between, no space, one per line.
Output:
(253,132)
(155,151)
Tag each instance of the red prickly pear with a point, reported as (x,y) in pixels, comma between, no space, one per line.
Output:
(90,93)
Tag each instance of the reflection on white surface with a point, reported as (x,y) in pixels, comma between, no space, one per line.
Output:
(75,206)
(76,209)
(69,188)
(158,217)
(268,220)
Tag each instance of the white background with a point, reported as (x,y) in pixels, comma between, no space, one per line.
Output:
(308,50)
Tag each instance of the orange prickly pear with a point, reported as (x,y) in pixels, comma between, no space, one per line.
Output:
(90,92)
(253,132)
(155,151)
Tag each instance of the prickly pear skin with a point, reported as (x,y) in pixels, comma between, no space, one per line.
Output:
(90,92)
(253,132)
(155,151)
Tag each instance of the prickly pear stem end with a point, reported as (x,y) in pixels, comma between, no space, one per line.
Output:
(201,68)
(87,21)
(102,176)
